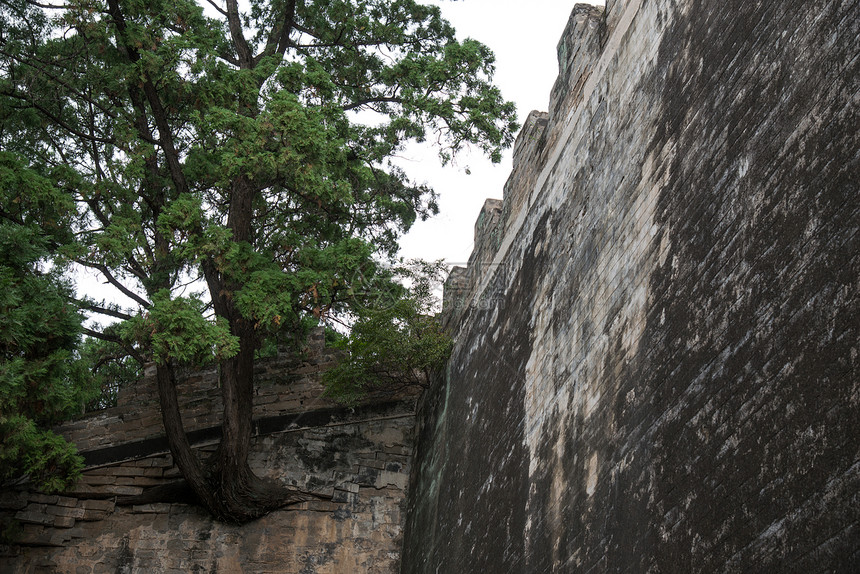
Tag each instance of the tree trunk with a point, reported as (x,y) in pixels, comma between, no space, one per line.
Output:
(183,456)
(244,495)
(228,489)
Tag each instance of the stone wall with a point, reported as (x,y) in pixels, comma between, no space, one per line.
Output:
(657,337)
(359,457)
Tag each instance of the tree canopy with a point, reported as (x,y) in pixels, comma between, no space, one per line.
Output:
(228,171)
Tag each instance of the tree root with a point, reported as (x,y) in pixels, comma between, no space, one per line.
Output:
(179,491)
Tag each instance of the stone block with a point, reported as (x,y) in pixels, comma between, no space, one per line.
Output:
(138,481)
(34,517)
(94,515)
(32,535)
(106,491)
(367,476)
(394,479)
(66,501)
(347,486)
(172,473)
(12,500)
(98,479)
(343,496)
(127,470)
(155,508)
(322,506)
(63,522)
(106,505)
(372,463)
(43,498)
(65,511)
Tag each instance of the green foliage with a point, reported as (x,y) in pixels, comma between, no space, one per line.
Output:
(112,369)
(396,343)
(175,328)
(153,124)
(41,383)
(51,463)
(229,172)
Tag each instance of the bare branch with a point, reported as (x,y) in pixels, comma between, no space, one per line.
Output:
(217,7)
(104,310)
(115,282)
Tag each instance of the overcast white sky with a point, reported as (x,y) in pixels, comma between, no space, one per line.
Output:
(523,36)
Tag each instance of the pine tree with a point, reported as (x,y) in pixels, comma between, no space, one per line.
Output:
(231,171)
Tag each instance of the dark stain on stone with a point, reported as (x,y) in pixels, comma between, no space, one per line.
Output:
(124,557)
(327,456)
(312,560)
(726,443)
(479,527)
(737,368)
(341,514)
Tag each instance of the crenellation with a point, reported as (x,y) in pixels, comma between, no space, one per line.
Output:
(529,152)
(454,295)
(528,144)
(578,50)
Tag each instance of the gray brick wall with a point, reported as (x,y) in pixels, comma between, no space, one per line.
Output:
(668,380)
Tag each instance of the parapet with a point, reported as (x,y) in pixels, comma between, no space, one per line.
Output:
(578,52)
(463,281)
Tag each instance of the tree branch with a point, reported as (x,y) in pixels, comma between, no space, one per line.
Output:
(234,21)
(217,7)
(115,282)
(279,39)
(114,339)
(104,310)
(47,6)
(54,78)
(56,120)
(376,100)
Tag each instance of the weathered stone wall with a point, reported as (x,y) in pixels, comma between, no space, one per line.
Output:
(656,367)
(359,457)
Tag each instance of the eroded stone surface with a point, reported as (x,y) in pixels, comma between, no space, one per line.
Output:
(667,377)
(359,457)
